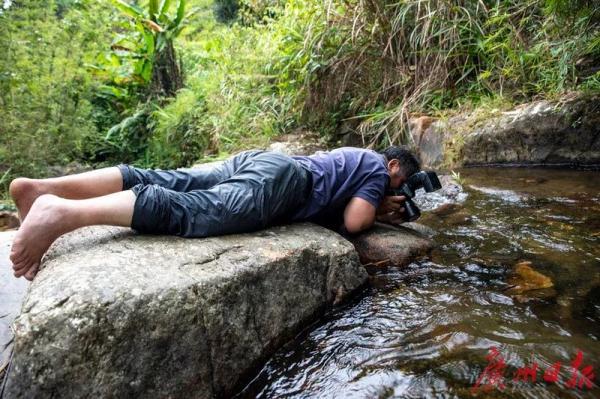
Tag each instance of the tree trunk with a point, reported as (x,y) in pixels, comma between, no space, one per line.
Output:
(167,78)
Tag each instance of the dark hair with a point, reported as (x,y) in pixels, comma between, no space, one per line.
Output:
(408,161)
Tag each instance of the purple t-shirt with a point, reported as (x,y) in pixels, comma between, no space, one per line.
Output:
(338,176)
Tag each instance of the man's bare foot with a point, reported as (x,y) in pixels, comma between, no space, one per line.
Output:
(47,220)
(24,192)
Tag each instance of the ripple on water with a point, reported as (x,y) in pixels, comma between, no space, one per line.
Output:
(505,195)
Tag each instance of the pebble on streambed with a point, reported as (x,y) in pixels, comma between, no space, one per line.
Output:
(525,278)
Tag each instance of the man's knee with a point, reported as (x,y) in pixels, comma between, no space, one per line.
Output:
(159,210)
(131,176)
(152,210)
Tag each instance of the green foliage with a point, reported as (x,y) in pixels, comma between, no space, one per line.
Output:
(226,10)
(181,132)
(75,74)
(46,91)
(567,9)
(127,141)
(395,58)
(141,67)
(245,96)
(134,55)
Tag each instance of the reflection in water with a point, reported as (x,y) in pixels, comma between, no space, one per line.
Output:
(424,331)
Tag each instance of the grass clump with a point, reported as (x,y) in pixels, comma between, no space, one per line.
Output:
(398,58)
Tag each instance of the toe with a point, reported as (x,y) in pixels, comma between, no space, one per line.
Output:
(23,269)
(32,272)
(21,260)
(18,257)
(16,252)
(20,265)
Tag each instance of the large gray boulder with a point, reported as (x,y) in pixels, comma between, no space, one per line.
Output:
(115,314)
(567,132)
(428,136)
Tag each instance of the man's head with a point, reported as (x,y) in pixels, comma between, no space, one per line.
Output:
(401,164)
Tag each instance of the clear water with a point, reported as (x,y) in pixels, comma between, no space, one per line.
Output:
(425,330)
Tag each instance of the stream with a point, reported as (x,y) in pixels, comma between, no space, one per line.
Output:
(425,330)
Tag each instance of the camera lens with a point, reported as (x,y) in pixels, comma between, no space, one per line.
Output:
(411,211)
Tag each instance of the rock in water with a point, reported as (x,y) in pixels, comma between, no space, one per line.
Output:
(397,246)
(115,314)
(428,136)
(525,278)
(451,195)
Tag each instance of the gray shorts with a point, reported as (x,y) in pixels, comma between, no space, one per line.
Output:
(249,191)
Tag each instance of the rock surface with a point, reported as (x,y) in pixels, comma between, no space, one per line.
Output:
(539,133)
(386,245)
(428,136)
(12,291)
(299,143)
(115,314)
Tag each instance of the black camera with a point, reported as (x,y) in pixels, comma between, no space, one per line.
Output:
(426,180)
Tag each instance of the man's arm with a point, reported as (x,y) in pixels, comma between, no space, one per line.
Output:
(359,215)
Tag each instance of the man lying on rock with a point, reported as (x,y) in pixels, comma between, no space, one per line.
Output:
(250,191)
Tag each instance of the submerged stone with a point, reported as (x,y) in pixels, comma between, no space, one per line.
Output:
(459,218)
(525,278)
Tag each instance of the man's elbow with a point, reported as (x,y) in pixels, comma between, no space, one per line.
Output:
(356,226)
(359,215)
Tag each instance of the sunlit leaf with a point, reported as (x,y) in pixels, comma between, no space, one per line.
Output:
(149,39)
(128,9)
(180,12)
(153,9)
(164,7)
(146,71)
